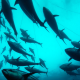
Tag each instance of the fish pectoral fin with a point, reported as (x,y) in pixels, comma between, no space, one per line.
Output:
(69,59)
(44,20)
(13,8)
(55,15)
(25,56)
(69,63)
(27,75)
(17,58)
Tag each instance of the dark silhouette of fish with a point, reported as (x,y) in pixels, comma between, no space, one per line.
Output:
(28,8)
(6,9)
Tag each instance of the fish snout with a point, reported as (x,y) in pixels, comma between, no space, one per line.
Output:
(4,71)
(66,50)
(5,33)
(44,8)
(9,42)
(60,66)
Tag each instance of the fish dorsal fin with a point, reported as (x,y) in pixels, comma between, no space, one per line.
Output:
(27,75)
(62,30)
(16,2)
(69,63)
(13,8)
(55,15)
(17,58)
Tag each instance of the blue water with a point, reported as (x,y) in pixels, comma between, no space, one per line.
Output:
(52,50)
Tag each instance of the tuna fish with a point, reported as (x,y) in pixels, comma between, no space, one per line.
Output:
(13,74)
(69,67)
(28,8)
(73,53)
(7,11)
(30,40)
